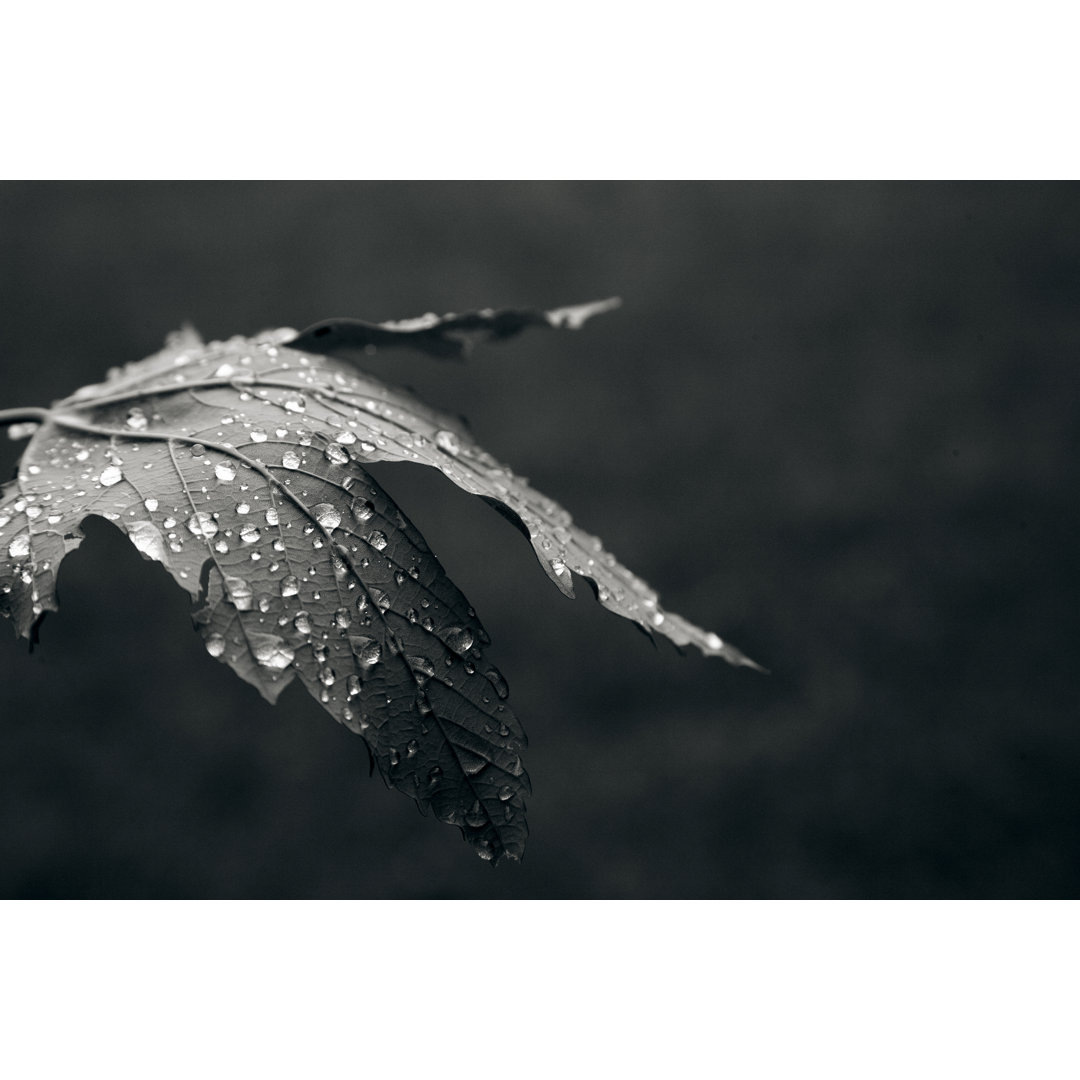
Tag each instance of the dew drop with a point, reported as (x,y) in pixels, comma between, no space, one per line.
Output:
(336,456)
(377,540)
(352,685)
(342,618)
(448,441)
(382,601)
(110,475)
(150,504)
(346,437)
(327,515)
(296,404)
(272,516)
(20,546)
(412,748)
(422,665)
(215,644)
(224,471)
(475,817)
(249,534)
(367,650)
(136,420)
(224,371)
(222,546)
(270,650)
(302,622)
(362,509)
(240,593)
(243,508)
(202,524)
(257,436)
(146,536)
(459,639)
(289,585)
(290,460)
(506,792)
(498,682)
(327,676)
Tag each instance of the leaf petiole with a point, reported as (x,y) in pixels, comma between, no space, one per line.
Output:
(22,416)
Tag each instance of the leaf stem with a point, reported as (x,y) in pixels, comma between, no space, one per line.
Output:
(20,416)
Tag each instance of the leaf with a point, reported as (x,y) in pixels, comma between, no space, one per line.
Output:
(239,466)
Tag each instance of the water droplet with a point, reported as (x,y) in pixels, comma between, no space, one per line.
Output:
(506,792)
(224,371)
(366,649)
(290,459)
(395,756)
(336,456)
(433,776)
(202,524)
(327,676)
(240,593)
(270,650)
(422,665)
(362,509)
(257,436)
(20,546)
(448,441)
(249,534)
(476,816)
(215,644)
(377,540)
(459,639)
(346,437)
(136,420)
(150,504)
(224,471)
(295,404)
(222,546)
(327,515)
(498,682)
(342,618)
(352,685)
(243,508)
(110,475)
(412,748)
(367,448)
(289,585)
(197,449)
(146,536)
(272,516)
(382,601)
(302,622)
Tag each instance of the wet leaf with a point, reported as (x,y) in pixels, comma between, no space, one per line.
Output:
(239,466)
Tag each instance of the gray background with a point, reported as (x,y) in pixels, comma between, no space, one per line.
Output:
(836,423)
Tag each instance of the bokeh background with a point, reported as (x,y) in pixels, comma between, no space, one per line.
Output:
(836,423)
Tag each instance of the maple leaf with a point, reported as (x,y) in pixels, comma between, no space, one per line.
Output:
(239,466)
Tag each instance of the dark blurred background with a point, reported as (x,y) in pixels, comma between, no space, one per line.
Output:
(837,423)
